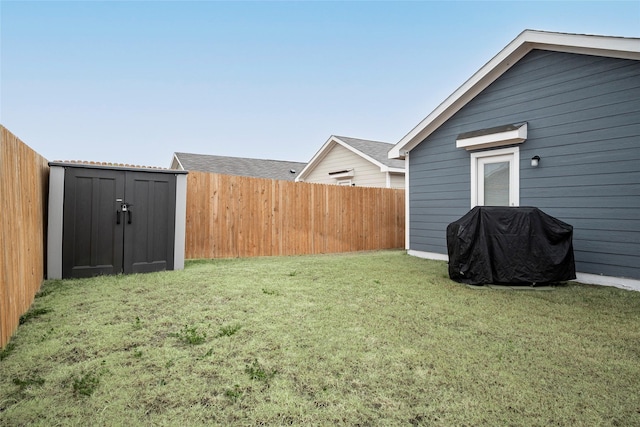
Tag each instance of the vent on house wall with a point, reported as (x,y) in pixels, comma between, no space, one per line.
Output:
(346,173)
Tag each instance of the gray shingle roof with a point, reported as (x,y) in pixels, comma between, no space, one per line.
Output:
(257,168)
(374,149)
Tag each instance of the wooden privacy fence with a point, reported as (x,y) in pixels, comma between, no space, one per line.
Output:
(234,216)
(24,178)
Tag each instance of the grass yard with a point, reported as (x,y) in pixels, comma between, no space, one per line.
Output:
(378,338)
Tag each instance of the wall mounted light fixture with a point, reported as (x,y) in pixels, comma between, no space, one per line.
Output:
(534,161)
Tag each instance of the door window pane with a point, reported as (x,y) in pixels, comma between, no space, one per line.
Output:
(496,184)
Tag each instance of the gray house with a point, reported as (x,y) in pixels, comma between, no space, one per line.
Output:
(552,121)
(257,168)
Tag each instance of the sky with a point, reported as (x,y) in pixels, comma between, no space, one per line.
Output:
(135,81)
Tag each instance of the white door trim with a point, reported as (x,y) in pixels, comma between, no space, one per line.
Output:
(511,154)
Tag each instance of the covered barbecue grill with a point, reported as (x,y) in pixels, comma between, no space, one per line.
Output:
(510,245)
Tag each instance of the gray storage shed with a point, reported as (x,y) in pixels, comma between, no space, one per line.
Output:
(107,219)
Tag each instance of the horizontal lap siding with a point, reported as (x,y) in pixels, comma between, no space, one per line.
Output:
(439,191)
(583,120)
(339,158)
(397,180)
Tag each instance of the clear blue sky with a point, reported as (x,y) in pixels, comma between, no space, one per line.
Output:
(133,82)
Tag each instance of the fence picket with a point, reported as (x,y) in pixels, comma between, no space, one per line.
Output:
(231,216)
(24,177)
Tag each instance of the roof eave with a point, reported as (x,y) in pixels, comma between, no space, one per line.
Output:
(175,157)
(617,47)
(324,150)
(360,153)
(320,154)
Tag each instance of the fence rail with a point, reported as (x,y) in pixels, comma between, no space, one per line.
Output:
(233,216)
(24,178)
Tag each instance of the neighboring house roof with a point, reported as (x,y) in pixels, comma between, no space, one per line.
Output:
(528,40)
(375,152)
(257,168)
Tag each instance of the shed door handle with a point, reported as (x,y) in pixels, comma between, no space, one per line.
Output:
(118,217)
(130,216)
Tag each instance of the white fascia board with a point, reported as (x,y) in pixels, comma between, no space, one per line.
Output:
(516,136)
(465,93)
(617,47)
(176,160)
(361,154)
(613,47)
(321,154)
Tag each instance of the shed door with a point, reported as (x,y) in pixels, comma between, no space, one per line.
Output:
(92,242)
(100,239)
(150,224)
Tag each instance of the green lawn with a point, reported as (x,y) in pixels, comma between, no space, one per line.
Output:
(377,338)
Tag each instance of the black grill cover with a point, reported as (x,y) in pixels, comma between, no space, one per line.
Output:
(514,245)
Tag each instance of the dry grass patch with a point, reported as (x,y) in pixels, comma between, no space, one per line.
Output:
(377,338)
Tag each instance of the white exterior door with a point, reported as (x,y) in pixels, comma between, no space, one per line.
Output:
(495,178)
